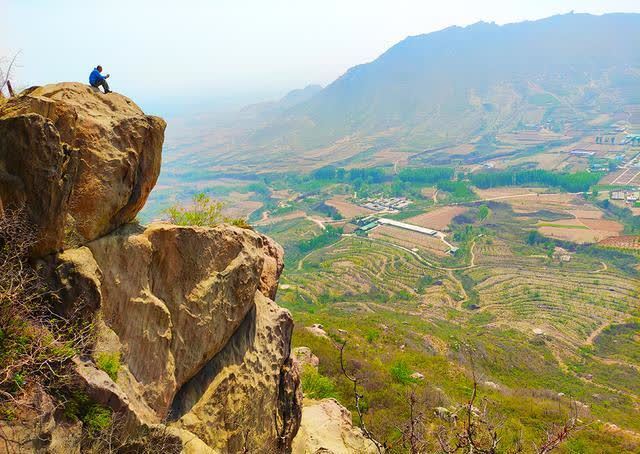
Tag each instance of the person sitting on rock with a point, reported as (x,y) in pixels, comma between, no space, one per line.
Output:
(96,79)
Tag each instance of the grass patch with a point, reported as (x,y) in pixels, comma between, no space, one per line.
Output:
(562,226)
(316,385)
(95,417)
(401,373)
(109,362)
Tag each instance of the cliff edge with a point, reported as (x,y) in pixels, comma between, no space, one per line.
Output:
(188,312)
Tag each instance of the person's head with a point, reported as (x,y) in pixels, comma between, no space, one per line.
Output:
(99,68)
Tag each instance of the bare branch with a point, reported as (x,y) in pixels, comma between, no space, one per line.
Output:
(358,397)
(5,75)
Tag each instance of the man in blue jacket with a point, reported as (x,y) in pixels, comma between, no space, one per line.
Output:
(96,79)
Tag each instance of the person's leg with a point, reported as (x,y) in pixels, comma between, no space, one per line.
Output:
(105,86)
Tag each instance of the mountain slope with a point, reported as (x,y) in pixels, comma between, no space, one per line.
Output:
(441,89)
(452,84)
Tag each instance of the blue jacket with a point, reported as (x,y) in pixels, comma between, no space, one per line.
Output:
(95,77)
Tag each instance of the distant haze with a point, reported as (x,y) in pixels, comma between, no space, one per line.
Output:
(167,54)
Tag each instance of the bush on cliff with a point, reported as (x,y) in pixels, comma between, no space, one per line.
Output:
(109,362)
(204,212)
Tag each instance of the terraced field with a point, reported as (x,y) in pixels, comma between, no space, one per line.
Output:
(363,270)
(567,301)
(544,325)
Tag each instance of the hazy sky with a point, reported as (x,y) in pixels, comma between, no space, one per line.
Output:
(234,48)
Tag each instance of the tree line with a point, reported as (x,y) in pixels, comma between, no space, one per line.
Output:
(571,182)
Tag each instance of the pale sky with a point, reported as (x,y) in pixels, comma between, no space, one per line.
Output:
(242,49)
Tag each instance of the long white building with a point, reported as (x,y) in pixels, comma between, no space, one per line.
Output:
(404,225)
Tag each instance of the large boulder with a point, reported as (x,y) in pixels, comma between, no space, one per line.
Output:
(303,357)
(81,162)
(199,342)
(247,396)
(174,296)
(186,330)
(327,428)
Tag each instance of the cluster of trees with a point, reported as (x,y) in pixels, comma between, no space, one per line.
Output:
(327,237)
(458,189)
(367,174)
(571,182)
(631,222)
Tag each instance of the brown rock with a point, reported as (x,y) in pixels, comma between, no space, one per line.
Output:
(303,356)
(317,330)
(184,308)
(248,395)
(273,266)
(76,277)
(37,172)
(38,426)
(101,389)
(174,296)
(327,428)
(84,163)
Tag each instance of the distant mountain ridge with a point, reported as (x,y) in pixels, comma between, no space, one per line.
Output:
(442,89)
(484,71)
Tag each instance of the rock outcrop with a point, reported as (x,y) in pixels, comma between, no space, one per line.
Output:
(200,343)
(303,357)
(327,428)
(92,161)
(187,312)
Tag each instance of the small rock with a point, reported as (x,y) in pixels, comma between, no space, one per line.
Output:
(327,427)
(303,356)
(317,329)
(417,376)
(492,385)
(538,331)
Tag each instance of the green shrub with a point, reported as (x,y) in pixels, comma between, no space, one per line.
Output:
(401,373)
(97,418)
(315,385)
(371,335)
(109,362)
(203,212)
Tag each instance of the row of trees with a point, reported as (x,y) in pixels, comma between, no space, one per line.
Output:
(426,175)
(443,178)
(419,175)
(367,174)
(572,182)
